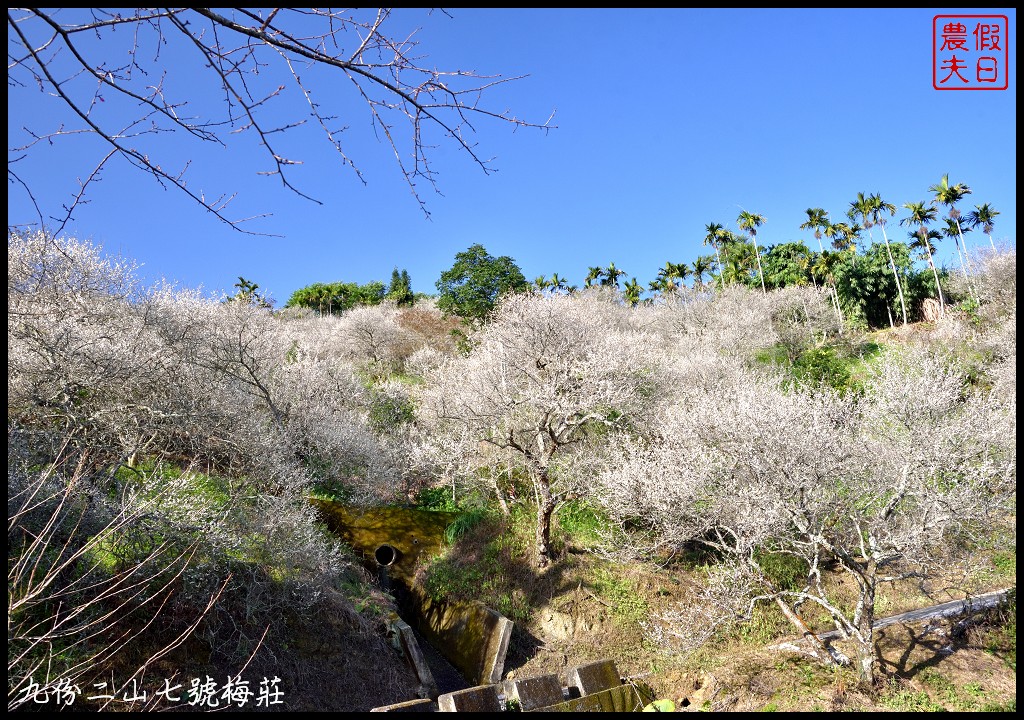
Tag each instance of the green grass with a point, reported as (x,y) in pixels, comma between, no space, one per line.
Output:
(465,522)
(581,523)
(776,355)
(1000,640)
(389,412)
(439,499)
(861,360)
(1005,565)
(1009,706)
(766,623)
(821,367)
(485,555)
(942,694)
(786,572)
(407,379)
(99,554)
(153,478)
(910,701)
(628,606)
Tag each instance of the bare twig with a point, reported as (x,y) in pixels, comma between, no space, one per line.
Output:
(237,49)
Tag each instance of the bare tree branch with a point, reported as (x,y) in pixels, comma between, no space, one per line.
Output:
(407,99)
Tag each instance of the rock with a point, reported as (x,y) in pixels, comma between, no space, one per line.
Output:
(557,625)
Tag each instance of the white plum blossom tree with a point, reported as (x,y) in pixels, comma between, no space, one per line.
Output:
(547,377)
(161,449)
(899,484)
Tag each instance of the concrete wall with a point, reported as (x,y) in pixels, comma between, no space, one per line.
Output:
(604,692)
(471,635)
(416,535)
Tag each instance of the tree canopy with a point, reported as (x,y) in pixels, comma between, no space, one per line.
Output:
(337,297)
(472,286)
(400,288)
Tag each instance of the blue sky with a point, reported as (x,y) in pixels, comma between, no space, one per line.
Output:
(666,120)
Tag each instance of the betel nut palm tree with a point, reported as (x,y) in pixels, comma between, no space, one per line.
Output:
(749,222)
(984,215)
(701,265)
(877,207)
(817,220)
(714,233)
(950,195)
(921,215)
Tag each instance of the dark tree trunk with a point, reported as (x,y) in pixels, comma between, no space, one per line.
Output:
(545,509)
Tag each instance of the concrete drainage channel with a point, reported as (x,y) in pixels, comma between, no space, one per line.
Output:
(594,687)
(472,638)
(464,644)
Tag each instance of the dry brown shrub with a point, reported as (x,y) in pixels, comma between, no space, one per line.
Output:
(431,327)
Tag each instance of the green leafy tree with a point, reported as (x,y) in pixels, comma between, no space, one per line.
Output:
(702,264)
(610,276)
(750,222)
(868,288)
(659,286)
(919,283)
(670,277)
(951,229)
(817,220)
(787,264)
(740,266)
(557,284)
(372,293)
(860,208)
(924,240)
(666,278)
(844,237)
(313,296)
(682,271)
(824,265)
(400,289)
(916,281)
(869,209)
(337,297)
(472,287)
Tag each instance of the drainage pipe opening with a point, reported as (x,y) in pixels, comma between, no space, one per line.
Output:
(385,555)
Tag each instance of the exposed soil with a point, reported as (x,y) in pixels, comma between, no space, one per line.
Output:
(923,665)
